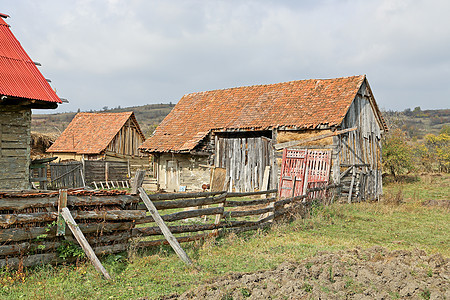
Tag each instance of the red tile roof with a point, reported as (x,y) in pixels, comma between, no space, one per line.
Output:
(91,133)
(296,104)
(19,76)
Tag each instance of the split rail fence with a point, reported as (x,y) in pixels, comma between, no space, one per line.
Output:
(112,221)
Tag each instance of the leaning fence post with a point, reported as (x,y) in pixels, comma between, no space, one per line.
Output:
(83,242)
(165,230)
(137,182)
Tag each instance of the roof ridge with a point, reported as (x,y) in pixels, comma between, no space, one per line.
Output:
(273,84)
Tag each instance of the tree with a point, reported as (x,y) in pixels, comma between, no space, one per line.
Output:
(397,154)
(439,147)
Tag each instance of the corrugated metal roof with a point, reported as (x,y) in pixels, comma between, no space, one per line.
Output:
(91,133)
(296,104)
(19,76)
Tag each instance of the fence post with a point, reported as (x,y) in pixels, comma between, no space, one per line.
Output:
(165,230)
(62,202)
(138,181)
(83,242)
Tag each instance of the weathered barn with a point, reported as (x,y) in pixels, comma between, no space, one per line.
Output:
(22,88)
(94,136)
(238,128)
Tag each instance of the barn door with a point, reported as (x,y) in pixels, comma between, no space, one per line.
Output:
(292,172)
(301,169)
(245,160)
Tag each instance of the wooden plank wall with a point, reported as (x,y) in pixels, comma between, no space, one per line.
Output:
(15,139)
(363,146)
(95,170)
(245,160)
(127,140)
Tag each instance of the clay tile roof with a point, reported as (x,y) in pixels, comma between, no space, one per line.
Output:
(19,76)
(297,104)
(91,133)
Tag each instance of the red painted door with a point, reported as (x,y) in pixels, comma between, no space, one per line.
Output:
(292,172)
(300,166)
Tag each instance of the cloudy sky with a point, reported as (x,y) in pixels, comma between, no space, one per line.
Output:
(135,52)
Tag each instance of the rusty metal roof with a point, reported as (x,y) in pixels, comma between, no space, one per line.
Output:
(19,76)
(295,104)
(91,133)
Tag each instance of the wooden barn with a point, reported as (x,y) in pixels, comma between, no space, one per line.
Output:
(100,136)
(244,129)
(22,88)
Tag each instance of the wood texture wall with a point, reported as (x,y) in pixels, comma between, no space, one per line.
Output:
(15,139)
(363,146)
(127,140)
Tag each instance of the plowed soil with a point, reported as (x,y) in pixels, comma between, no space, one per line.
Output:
(375,273)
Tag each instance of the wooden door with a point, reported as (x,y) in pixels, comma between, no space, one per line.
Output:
(292,173)
(172,175)
(302,169)
(245,160)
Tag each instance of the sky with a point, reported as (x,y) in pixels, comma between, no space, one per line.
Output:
(110,53)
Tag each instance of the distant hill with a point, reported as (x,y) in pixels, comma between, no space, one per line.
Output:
(417,123)
(148,117)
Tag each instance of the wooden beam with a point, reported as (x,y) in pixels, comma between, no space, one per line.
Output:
(311,139)
(165,230)
(83,242)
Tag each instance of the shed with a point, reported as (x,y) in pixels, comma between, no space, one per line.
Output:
(99,136)
(239,128)
(22,88)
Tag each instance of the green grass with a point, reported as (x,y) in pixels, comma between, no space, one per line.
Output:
(158,271)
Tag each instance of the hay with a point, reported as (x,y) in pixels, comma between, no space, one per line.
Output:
(287,136)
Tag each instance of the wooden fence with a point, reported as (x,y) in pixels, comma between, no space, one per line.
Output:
(111,221)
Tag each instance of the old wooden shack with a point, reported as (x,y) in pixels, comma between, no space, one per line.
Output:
(94,136)
(22,88)
(239,128)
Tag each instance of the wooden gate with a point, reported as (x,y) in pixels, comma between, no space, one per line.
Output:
(302,169)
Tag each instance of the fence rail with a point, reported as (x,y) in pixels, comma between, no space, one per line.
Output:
(112,220)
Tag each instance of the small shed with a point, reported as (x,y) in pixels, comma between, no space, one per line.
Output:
(22,88)
(100,136)
(239,129)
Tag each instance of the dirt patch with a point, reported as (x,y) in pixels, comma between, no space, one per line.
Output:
(375,273)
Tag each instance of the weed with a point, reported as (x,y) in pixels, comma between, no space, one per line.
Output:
(69,249)
(309,265)
(430,273)
(245,292)
(426,294)
(307,287)
(331,274)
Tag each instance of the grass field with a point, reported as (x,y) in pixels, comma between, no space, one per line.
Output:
(399,221)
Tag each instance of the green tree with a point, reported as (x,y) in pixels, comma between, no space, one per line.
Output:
(397,154)
(439,147)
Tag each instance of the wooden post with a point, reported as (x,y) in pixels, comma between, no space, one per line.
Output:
(82,171)
(349,200)
(219,216)
(106,171)
(83,242)
(62,202)
(165,230)
(137,182)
